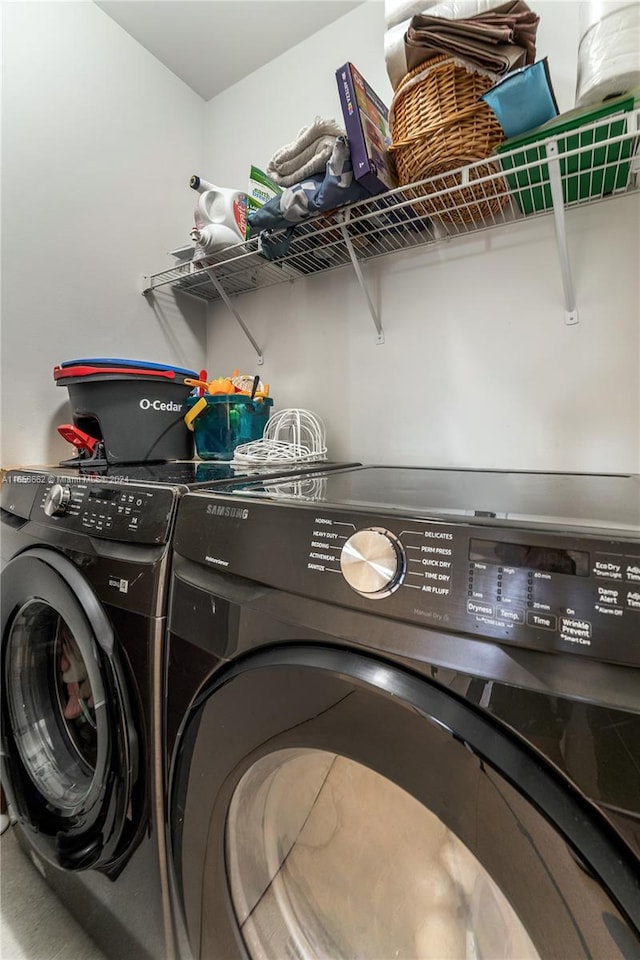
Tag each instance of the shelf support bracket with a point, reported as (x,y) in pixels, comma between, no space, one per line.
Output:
(230,306)
(358,271)
(555,182)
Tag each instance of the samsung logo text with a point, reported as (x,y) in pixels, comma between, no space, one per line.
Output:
(221,510)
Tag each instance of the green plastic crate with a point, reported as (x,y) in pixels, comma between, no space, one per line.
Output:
(591,173)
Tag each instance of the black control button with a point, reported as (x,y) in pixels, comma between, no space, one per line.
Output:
(545,621)
(575,628)
(608,567)
(511,614)
(632,569)
(479,608)
(633,599)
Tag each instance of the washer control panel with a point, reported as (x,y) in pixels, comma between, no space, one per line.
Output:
(547,590)
(57,500)
(129,512)
(113,511)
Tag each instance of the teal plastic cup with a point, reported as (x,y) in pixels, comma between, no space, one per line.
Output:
(227,421)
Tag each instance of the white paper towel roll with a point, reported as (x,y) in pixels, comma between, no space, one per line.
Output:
(459,9)
(609,51)
(396,11)
(592,13)
(394,52)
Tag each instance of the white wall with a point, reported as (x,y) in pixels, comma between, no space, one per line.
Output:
(99,141)
(478,368)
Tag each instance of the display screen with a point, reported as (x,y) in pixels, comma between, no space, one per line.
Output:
(104,493)
(545,559)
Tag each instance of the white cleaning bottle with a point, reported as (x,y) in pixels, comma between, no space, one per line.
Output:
(220,216)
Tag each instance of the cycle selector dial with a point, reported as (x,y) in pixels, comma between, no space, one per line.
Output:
(372,562)
(57,500)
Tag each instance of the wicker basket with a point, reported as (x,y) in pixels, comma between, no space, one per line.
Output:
(439,124)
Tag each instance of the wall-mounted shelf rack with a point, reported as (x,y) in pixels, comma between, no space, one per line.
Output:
(585,165)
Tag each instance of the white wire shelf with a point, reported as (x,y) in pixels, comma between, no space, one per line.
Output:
(591,163)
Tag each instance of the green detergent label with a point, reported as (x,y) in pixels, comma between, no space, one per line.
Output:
(261,190)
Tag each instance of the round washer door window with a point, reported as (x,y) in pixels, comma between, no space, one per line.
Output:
(328,858)
(69,740)
(52,692)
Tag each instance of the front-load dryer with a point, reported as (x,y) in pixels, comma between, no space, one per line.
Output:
(403,717)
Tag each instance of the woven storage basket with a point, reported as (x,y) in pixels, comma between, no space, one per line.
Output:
(439,124)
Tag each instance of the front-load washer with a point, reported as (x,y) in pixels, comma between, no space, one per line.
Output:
(82,647)
(403,716)
(85,556)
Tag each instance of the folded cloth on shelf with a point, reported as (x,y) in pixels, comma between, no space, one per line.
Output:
(493,42)
(395,49)
(307,155)
(316,194)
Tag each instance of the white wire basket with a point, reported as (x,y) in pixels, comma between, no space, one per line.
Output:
(291,436)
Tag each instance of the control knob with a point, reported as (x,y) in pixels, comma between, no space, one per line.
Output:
(372,562)
(57,500)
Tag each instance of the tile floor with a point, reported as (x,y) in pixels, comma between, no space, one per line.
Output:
(33,924)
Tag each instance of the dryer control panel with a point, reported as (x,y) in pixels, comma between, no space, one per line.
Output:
(545,590)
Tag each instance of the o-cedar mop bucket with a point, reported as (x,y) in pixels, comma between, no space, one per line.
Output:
(135,408)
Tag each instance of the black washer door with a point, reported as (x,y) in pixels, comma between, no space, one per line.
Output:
(68,742)
(326,805)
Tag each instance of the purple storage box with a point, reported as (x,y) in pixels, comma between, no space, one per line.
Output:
(366,121)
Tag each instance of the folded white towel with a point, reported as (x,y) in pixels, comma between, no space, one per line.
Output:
(306,155)
(321,145)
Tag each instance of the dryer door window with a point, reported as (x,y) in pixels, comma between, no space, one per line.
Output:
(69,743)
(328,805)
(328,858)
